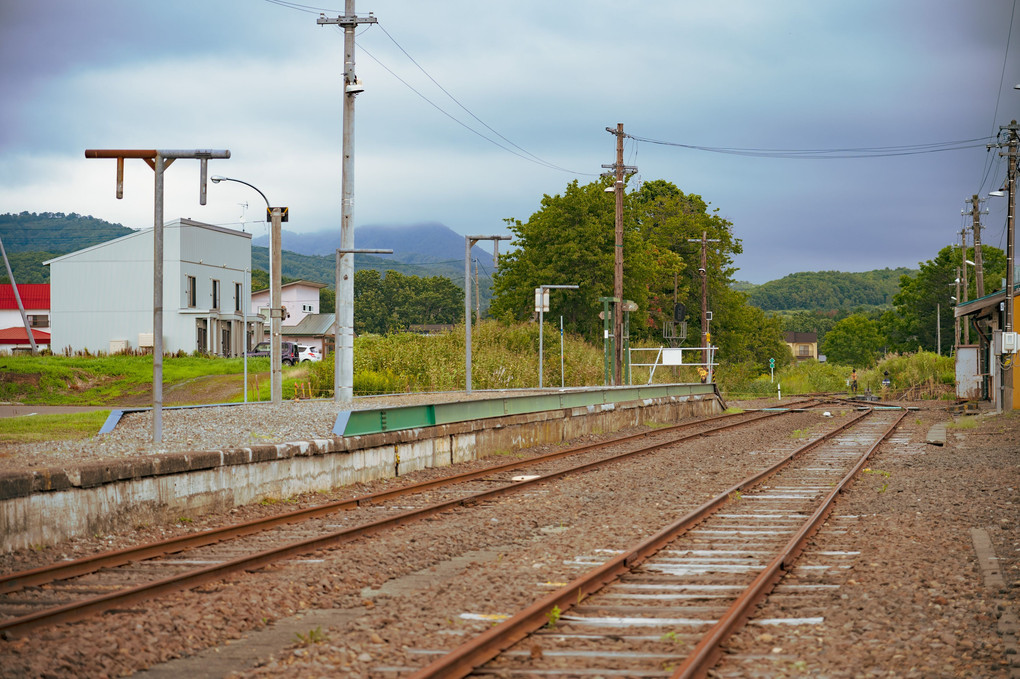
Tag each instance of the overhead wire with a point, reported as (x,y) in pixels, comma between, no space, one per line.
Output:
(523,154)
(828,154)
(998,96)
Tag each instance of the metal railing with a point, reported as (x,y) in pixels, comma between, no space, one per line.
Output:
(674,356)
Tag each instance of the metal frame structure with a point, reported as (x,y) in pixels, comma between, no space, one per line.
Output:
(158,160)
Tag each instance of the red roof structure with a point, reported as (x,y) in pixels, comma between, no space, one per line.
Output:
(33,296)
(19,336)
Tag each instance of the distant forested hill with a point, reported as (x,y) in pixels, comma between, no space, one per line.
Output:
(829,290)
(30,239)
(55,232)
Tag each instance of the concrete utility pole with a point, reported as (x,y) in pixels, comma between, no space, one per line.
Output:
(703,271)
(962,297)
(338,386)
(618,171)
(956,327)
(344,338)
(158,161)
(469,242)
(17,298)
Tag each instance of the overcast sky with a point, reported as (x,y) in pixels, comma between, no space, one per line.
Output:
(264,81)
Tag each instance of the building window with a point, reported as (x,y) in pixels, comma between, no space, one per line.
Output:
(215,294)
(237,296)
(804,349)
(191,292)
(38,320)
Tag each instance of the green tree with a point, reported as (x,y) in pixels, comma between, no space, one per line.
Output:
(571,240)
(856,341)
(924,304)
(396,301)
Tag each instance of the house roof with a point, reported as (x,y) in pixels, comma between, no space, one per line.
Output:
(307,284)
(17,335)
(312,325)
(801,337)
(177,223)
(33,296)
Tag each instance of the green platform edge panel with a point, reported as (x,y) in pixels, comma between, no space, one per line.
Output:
(361,422)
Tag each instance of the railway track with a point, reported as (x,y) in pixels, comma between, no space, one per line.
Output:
(666,607)
(73,590)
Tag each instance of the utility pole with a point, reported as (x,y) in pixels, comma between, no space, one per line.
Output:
(344,328)
(469,242)
(17,298)
(956,327)
(618,171)
(705,313)
(158,161)
(478,296)
(1010,254)
(979,269)
(962,297)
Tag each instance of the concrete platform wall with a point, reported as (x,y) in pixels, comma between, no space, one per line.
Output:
(45,507)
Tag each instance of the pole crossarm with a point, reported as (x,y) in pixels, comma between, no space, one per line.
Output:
(346,20)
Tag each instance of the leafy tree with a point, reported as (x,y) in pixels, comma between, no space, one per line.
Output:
(856,340)
(392,303)
(923,298)
(571,240)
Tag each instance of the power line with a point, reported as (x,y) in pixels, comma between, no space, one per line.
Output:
(302,8)
(524,153)
(466,110)
(998,96)
(829,154)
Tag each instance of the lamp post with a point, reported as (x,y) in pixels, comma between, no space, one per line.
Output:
(276,215)
(541,306)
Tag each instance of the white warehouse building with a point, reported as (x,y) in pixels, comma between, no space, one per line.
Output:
(101,297)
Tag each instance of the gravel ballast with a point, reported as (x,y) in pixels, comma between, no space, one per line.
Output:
(914,603)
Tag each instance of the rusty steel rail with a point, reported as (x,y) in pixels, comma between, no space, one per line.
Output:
(13,582)
(466,658)
(706,653)
(81,609)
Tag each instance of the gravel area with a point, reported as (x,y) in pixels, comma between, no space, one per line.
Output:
(913,604)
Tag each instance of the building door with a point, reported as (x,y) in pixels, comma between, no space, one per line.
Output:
(225,348)
(201,335)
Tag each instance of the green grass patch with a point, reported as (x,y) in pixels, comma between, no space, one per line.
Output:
(962,423)
(71,426)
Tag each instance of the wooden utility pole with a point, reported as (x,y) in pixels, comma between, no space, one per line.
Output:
(618,172)
(1007,395)
(979,269)
(703,272)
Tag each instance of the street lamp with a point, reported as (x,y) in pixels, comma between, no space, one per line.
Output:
(277,215)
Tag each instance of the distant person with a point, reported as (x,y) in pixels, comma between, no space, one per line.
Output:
(853,380)
(703,374)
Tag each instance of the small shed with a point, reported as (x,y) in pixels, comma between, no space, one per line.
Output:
(982,370)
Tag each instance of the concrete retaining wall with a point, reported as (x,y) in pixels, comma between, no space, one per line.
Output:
(45,507)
